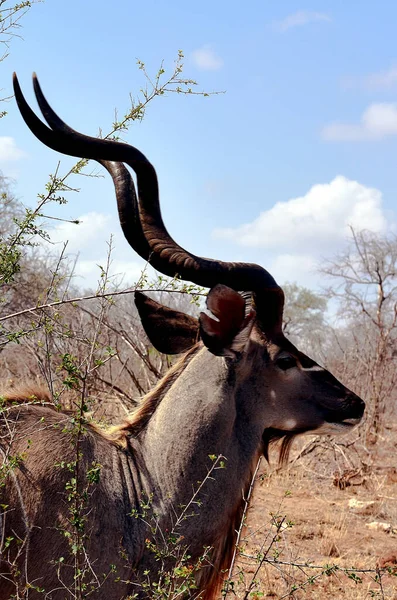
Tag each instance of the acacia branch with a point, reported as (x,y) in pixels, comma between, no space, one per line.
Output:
(96,296)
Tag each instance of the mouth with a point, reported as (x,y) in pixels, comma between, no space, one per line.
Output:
(338,427)
(351,422)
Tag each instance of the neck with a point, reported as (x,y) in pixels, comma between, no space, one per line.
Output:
(197,456)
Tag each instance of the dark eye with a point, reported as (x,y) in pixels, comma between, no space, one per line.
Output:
(286,362)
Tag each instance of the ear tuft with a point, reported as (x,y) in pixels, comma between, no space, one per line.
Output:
(170,331)
(229,334)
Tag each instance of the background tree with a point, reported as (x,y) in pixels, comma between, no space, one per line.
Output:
(365,293)
(304,318)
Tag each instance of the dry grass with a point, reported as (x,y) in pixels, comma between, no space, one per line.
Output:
(324,530)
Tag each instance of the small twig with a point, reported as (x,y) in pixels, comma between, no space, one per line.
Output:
(95,296)
(242,523)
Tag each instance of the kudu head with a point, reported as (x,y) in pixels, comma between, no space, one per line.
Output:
(247,303)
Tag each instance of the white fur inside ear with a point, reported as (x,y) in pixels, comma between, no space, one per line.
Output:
(240,341)
(207,312)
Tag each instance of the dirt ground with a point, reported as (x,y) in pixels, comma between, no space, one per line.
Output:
(326,527)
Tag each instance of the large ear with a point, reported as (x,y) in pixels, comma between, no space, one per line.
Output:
(228,335)
(170,331)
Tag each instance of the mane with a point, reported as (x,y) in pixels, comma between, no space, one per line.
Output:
(26,394)
(135,422)
(132,425)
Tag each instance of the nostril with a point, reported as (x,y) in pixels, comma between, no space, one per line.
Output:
(356,403)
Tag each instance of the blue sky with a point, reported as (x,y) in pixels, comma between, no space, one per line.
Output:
(302,144)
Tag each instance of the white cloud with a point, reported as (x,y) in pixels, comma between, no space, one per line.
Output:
(378,121)
(300,18)
(374,81)
(314,224)
(206,59)
(295,267)
(121,272)
(91,227)
(9,151)
(89,241)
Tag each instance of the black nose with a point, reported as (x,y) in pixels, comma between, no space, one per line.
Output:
(355,405)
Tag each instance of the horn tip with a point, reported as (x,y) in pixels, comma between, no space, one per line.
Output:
(15,84)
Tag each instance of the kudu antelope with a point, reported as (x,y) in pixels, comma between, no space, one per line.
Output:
(239,384)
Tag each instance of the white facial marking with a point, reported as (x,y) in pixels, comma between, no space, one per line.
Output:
(272,394)
(335,428)
(316,368)
(289,424)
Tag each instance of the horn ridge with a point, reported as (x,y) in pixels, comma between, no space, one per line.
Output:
(152,242)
